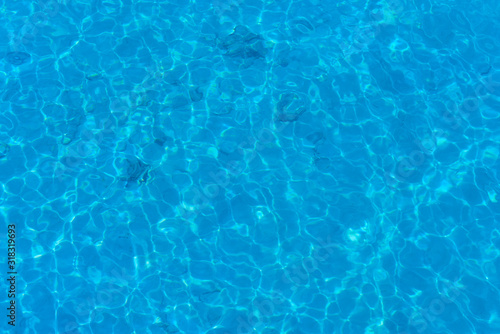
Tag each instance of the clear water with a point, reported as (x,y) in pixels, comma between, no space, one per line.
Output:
(231,167)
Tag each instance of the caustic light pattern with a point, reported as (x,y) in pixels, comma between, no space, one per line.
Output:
(233,167)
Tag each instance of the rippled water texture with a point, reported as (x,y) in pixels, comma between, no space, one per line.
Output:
(232,167)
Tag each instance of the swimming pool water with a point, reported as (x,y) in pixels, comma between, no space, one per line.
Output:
(237,166)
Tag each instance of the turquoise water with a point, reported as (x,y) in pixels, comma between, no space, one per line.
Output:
(231,167)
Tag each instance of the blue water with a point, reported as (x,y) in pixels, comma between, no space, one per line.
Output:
(236,166)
